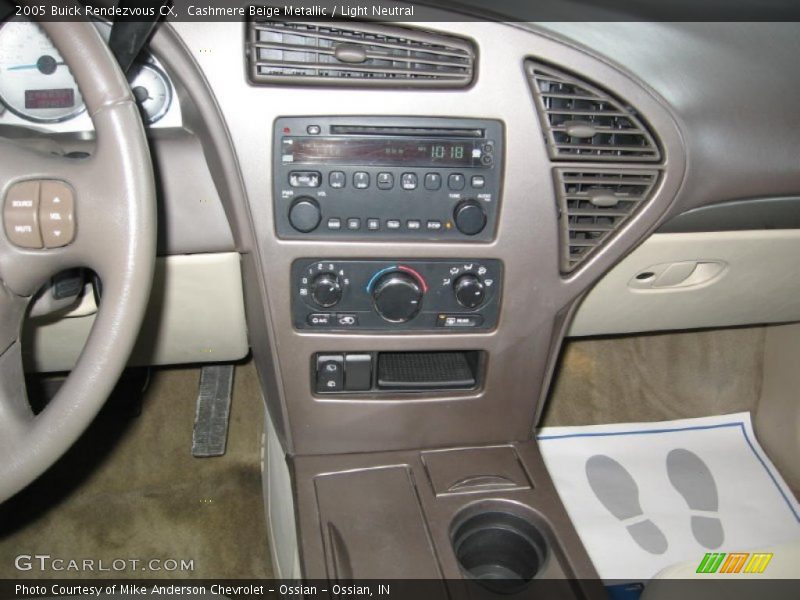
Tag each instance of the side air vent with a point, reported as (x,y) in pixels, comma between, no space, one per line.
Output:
(593,204)
(362,54)
(582,122)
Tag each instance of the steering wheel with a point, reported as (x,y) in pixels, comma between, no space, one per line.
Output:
(114,220)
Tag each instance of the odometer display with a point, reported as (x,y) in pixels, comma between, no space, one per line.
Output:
(382,152)
(40,99)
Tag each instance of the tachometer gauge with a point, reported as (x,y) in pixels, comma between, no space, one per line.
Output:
(151,90)
(34,81)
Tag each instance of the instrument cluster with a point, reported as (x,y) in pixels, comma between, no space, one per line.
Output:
(37,88)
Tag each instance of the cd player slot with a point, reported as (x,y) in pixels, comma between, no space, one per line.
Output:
(410,131)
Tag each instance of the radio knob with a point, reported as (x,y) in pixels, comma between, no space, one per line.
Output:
(470,217)
(469,291)
(326,290)
(397,297)
(305,215)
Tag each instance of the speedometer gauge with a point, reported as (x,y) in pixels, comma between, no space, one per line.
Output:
(34,81)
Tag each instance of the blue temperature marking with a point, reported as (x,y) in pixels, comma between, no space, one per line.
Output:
(378,274)
(22,67)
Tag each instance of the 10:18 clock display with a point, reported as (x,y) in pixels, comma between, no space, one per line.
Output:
(382,152)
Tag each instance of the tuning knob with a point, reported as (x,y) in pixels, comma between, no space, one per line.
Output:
(469,291)
(470,217)
(305,215)
(326,290)
(397,297)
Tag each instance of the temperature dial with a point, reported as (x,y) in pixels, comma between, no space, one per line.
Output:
(397,296)
(470,291)
(326,290)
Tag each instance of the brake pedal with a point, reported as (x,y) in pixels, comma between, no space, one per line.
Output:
(210,435)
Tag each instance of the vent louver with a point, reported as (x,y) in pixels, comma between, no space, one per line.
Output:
(593,204)
(362,54)
(582,122)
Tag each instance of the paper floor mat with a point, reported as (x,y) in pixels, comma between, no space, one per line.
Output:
(644,496)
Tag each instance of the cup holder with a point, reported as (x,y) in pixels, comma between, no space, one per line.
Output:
(501,551)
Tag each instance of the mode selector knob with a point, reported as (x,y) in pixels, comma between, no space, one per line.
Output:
(326,290)
(470,217)
(304,214)
(469,291)
(397,297)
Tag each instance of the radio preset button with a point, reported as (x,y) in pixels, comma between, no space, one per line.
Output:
(304,179)
(334,223)
(385,181)
(413,224)
(456,181)
(354,223)
(478,181)
(361,180)
(373,224)
(434,225)
(408,181)
(393,224)
(433,181)
(337,179)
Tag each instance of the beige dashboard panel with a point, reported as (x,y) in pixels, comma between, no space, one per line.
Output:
(195,315)
(695,280)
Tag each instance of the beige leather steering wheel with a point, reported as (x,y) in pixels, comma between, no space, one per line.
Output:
(115,225)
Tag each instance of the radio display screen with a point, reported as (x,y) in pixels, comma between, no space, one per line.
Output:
(383,152)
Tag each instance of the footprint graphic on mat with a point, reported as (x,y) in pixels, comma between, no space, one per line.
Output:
(694,481)
(618,492)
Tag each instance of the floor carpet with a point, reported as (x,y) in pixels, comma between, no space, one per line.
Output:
(130,489)
(657,377)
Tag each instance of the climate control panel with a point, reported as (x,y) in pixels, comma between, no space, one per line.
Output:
(396,295)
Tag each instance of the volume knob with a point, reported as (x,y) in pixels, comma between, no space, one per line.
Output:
(305,215)
(397,297)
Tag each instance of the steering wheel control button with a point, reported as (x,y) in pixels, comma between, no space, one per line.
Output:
(361,180)
(57,214)
(330,373)
(458,321)
(304,179)
(304,215)
(21,215)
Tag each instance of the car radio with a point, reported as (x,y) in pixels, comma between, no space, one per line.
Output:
(403,178)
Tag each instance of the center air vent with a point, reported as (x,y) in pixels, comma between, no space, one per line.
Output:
(362,54)
(593,204)
(582,122)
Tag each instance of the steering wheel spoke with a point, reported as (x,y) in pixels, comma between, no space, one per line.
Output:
(59,213)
